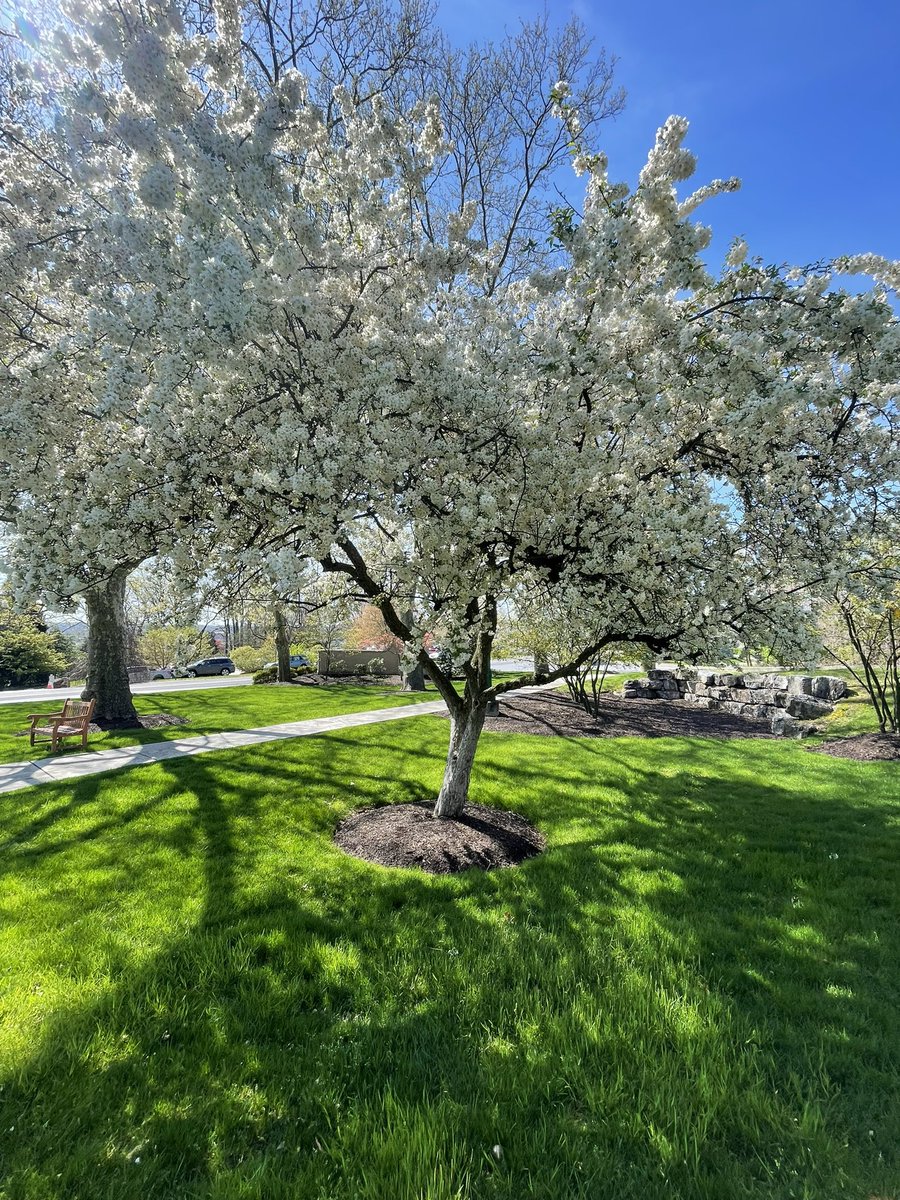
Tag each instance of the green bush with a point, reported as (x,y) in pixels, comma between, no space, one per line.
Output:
(250,658)
(27,654)
(270,674)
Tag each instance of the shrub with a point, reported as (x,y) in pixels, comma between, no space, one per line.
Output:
(270,674)
(250,658)
(27,654)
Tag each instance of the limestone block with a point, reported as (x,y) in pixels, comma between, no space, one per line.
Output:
(779,682)
(784,724)
(829,687)
(800,685)
(729,680)
(805,707)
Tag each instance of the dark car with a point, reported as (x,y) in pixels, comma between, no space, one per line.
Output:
(210,666)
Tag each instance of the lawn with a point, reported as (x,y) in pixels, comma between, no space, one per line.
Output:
(212,710)
(692,994)
(852,715)
(216,710)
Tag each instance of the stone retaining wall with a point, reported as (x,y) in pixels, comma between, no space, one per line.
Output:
(782,700)
(358,662)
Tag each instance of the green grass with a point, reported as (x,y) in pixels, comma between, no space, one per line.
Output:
(208,710)
(852,715)
(211,710)
(692,994)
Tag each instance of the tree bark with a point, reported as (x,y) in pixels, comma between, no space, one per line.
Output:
(107,666)
(282,646)
(465,729)
(414,680)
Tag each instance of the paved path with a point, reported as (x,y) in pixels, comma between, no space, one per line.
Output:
(14,776)
(39,695)
(57,768)
(202,683)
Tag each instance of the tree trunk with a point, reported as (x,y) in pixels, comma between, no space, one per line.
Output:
(541,665)
(107,665)
(465,729)
(414,680)
(282,646)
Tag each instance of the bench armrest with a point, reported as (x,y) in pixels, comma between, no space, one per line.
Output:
(45,716)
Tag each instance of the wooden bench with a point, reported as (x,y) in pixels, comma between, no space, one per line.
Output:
(73,721)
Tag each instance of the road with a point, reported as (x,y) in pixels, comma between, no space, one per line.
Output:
(33,695)
(30,695)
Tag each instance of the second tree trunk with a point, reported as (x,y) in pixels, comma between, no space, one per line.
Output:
(107,670)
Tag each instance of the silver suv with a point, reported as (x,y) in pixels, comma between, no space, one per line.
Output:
(209,666)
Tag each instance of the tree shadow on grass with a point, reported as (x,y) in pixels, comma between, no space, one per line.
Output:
(685,996)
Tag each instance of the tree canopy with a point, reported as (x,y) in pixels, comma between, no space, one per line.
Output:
(250,300)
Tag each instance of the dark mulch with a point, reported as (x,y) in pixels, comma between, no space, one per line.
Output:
(315,680)
(557,713)
(159,720)
(407,835)
(148,721)
(864,747)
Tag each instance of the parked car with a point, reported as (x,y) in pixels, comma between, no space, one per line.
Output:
(297,661)
(164,673)
(209,666)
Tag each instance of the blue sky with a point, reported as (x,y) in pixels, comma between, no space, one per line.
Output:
(799,99)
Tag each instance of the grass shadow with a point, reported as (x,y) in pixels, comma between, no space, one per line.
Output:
(690,994)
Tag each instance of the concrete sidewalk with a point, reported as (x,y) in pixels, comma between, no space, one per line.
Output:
(58,768)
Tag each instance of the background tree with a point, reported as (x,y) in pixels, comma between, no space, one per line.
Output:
(369,632)
(330,615)
(165,645)
(861,626)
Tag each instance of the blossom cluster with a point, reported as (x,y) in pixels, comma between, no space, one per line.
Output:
(227,325)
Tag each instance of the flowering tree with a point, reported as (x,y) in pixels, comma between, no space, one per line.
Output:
(316,369)
(860,623)
(67,241)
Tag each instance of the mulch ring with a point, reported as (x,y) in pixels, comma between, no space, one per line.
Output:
(864,747)
(407,835)
(148,721)
(158,721)
(557,713)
